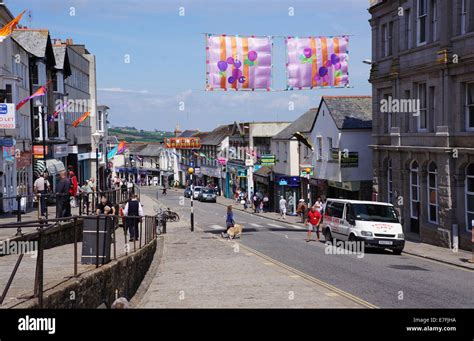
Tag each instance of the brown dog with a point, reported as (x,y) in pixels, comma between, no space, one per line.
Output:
(235,231)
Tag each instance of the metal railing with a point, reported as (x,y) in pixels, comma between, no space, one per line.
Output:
(147,227)
(86,202)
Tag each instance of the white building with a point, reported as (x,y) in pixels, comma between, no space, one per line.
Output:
(342,159)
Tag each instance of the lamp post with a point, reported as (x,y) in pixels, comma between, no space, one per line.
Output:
(191,171)
(97,137)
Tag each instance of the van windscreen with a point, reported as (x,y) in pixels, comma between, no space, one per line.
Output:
(374,212)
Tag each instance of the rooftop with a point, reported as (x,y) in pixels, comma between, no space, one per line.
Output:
(350,112)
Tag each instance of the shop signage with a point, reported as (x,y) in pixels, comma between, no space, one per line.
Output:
(24,160)
(38,151)
(183,142)
(7,142)
(283,182)
(60,150)
(72,150)
(7,116)
(348,159)
(248,162)
(267,160)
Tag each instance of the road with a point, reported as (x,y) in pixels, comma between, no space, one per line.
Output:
(379,277)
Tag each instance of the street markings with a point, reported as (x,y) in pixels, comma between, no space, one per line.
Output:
(275,225)
(298,227)
(255,225)
(217,227)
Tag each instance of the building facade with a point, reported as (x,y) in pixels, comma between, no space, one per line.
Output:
(423,145)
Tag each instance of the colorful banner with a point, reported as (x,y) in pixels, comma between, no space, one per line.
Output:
(8,28)
(182,143)
(238,62)
(40,92)
(121,147)
(112,152)
(80,119)
(317,62)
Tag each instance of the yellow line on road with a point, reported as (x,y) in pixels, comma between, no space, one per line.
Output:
(312,279)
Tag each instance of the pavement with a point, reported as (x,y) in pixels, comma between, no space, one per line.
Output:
(198,270)
(58,264)
(378,277)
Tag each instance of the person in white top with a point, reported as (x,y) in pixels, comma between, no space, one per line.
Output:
(283,205)
(41,187)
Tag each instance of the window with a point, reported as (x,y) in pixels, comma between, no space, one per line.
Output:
(432,104)
(320,148)
(390,38)
(422,114)
(469,196)
(433,193)
(469,106)
(463,16)
(408,29)
(329,147)
(34,74)
(100,120)
(434,19)
(421,22)
(335,209)
(389,182)
(414,191)
(387,99)
(408,114)
(384,41)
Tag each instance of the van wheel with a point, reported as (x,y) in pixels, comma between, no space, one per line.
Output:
(328,236)
(397,251)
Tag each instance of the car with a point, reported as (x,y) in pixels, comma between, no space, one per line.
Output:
(207,194)
(187,192)
(197,190)
(375,224)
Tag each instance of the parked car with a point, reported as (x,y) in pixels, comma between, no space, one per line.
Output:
(207,194)
(187,192)
(197,191)
(376,224)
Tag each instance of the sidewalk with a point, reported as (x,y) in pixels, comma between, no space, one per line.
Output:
(433,252)
(58,264)
(200,270)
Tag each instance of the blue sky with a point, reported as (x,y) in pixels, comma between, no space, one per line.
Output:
(167,54)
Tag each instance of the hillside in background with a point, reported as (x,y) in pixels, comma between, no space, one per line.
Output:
(131,134)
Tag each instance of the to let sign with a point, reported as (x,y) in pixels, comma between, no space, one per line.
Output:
(7,116)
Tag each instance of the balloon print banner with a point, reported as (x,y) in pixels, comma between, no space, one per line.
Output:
(317,62)
(238,62)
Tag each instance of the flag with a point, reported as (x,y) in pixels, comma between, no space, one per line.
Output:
(121,147)
(81,119)
(112,152)
(40,92)
(303,140)
(8,28)
(56,113)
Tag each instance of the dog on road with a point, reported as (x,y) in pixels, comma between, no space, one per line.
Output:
(234,231)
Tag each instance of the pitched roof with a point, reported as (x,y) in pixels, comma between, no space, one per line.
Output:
(150,150)
(216,136)
(350,112)
(264,171)
(135,148)
(188,133)
(33,41)
(62,59)
(303,124)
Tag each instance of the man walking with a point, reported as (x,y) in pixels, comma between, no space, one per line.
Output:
(282,205)
(314,218)
(302,209)
(133,208)
(63,204)
(41,188)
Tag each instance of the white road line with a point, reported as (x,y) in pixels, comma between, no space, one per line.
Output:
(298,227)
(255,225)
(275,225)
(217,227)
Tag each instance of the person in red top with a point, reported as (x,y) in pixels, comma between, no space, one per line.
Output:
(73,181)
(314,218)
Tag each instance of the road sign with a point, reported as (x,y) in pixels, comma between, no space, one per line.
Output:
(248,162)
(267,160)
(7,142)
(7,116)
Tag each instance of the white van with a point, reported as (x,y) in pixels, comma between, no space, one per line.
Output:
(374,223)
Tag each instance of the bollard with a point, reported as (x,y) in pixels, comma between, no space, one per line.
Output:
(18,214)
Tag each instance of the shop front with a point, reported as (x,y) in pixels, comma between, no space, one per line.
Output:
(287,187)
(236,177)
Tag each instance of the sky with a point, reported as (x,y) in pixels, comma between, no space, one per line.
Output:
(151,57)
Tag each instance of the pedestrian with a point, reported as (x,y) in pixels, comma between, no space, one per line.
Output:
(265,203)
(63,202)
(164,190)
(255,203)
(302,209)
(282,205)
(313,220)
(133,208)
(41,187)
(73,185)
(245,201)
(102,206)
(229,221)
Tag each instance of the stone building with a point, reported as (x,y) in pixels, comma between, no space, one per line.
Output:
(423,115)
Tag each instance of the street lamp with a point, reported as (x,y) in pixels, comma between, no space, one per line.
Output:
(191,171)
(97,138)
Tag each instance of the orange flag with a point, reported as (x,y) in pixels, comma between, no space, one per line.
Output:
(80,119)
(8,28)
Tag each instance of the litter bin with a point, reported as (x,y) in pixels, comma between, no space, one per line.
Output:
(89,240)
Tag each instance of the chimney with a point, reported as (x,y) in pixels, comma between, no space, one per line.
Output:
(69,41)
